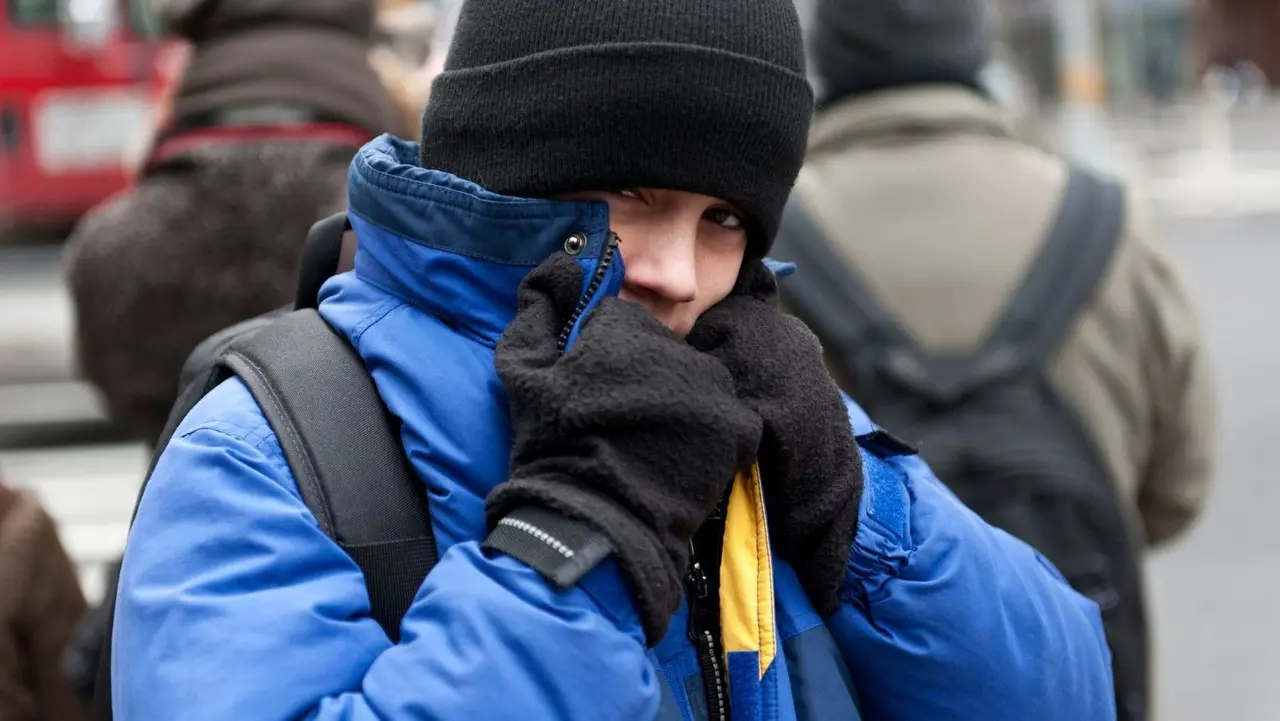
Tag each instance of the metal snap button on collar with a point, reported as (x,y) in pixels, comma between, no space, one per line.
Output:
(575,243)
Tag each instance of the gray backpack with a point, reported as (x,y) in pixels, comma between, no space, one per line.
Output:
(990,423)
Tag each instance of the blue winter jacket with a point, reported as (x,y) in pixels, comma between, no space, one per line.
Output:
(234,605)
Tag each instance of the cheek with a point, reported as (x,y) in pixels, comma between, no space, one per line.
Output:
(627,219)
(718,268)
(638,240)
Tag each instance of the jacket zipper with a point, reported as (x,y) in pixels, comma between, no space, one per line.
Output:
(704,614)
(597,279)
(704,592)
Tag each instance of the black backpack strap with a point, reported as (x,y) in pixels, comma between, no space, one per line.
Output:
(867,340)
(200,374)
(320,258)
(345,452)
(831,297)
(1062,279)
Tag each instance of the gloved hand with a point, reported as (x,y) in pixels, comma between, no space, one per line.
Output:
(809,462)
(630,436)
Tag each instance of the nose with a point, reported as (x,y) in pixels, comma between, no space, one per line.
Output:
(664,272)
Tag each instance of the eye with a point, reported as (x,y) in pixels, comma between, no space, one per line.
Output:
(725,218)
(629,193)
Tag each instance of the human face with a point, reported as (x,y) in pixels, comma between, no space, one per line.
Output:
(682,250)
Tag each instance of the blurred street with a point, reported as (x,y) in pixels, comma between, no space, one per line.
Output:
(1217,198)
(1194,161)
(1215,594)
(90,489)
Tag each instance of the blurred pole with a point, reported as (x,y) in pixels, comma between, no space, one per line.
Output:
(1139,50)
(1085,137)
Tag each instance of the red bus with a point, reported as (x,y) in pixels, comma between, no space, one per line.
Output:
(79,85)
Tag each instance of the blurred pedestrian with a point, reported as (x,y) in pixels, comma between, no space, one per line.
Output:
(276,97)
(1016,316)
(40,602)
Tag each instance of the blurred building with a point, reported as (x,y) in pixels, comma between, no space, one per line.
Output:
(1146,46)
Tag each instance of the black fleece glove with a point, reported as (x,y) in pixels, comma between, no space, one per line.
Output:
(625,443)
(809,461)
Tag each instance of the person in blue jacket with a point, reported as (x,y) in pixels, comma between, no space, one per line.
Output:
(650,499)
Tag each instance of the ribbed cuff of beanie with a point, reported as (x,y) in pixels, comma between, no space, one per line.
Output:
(610,116)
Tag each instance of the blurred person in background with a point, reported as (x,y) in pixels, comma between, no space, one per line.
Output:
(40,602)
(273,100)
(927,215)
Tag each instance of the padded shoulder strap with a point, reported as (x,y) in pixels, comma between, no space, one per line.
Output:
(345,452)
(201,373)
(1063,278)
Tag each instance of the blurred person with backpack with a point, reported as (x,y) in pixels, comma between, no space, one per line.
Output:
(272,102)
(1015,316)
(516,464)
(40,602)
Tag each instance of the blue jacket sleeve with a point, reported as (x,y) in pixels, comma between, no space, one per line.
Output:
(234,605)
(949,619)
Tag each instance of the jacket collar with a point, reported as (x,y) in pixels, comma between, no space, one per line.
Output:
(919,109)
(447,245)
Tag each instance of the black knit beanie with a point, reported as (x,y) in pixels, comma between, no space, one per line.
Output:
(540,97)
